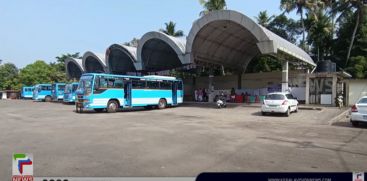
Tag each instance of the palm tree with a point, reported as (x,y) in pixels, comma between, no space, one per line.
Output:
(320,32)
(171,30)
(263,18)
(345,7)
(212,5)
(300,6)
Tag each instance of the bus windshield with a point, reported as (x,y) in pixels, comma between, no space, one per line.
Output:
(86,83)
(67,89)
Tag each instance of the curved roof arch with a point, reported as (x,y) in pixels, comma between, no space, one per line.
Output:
(232,39)
(74,68)
(121,59)
(94,62)
(158,51)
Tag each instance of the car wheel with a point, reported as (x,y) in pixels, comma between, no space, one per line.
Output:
(263,113)
(355,123)
(162,104)
(112,106)
(288,112)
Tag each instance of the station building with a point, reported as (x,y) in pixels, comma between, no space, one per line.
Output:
(224,38)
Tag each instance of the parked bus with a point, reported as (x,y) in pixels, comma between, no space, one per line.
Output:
(27,92)
(42,92)
(57,92)
(112,92)
(69,93)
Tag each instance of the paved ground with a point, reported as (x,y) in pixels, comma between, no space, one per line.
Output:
(182,141)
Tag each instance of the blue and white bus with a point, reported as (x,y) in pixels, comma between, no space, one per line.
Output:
(42,92)
(69,93)
(112,92)
(27,92)
(57,92)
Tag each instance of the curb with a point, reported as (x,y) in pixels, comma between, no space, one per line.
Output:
(337,118)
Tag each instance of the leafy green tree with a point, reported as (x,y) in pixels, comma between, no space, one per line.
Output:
(286,28)
(60,61)
(8,76)
(358,67)
(212,5)
(170,29)
(37,73)
(343,39)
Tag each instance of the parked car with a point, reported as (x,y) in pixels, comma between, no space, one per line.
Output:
(359,112)
(279,102)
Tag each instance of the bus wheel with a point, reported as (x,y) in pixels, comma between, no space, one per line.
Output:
(162,104)
(112,106)
(48,99)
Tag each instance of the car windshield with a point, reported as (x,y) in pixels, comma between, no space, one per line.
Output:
(363,101)
(86,83)
(275,97)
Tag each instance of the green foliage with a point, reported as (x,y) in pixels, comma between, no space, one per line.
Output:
(37,73)
(171,30)
(133,43)
(8,77)
(286,28)
(320,28)
(212,5)
(358,67)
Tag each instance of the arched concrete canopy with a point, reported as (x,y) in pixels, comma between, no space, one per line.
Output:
(232,39)
(158,51)
(74,68)
(94,63)
(121,59)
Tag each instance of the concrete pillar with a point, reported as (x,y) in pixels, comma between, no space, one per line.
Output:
(334,93)
(239,80)
(307,97)
(284,75)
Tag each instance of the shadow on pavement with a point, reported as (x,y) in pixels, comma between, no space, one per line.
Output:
(349,125)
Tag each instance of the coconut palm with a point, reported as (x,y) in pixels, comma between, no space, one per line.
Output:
(263,18)
(357,8)
(300,6)
(212,5)
(171,30)
(320,32)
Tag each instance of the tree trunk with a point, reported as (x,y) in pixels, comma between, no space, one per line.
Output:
(353,37)
(303,33)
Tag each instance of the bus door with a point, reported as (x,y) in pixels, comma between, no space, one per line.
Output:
(174,93)
(127,92)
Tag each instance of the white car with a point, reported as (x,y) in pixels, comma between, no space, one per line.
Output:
(279,102)
(359,111)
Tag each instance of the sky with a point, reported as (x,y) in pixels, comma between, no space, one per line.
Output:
(33,30)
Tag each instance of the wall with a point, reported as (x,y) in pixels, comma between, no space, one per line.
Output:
(356,89)
(251,81)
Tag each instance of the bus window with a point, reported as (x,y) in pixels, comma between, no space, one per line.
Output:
(138,84)
(119,83)
(61,87)
(152,85)
(166,85)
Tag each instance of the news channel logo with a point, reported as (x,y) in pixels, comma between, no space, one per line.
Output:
(358,176)
(22,167)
